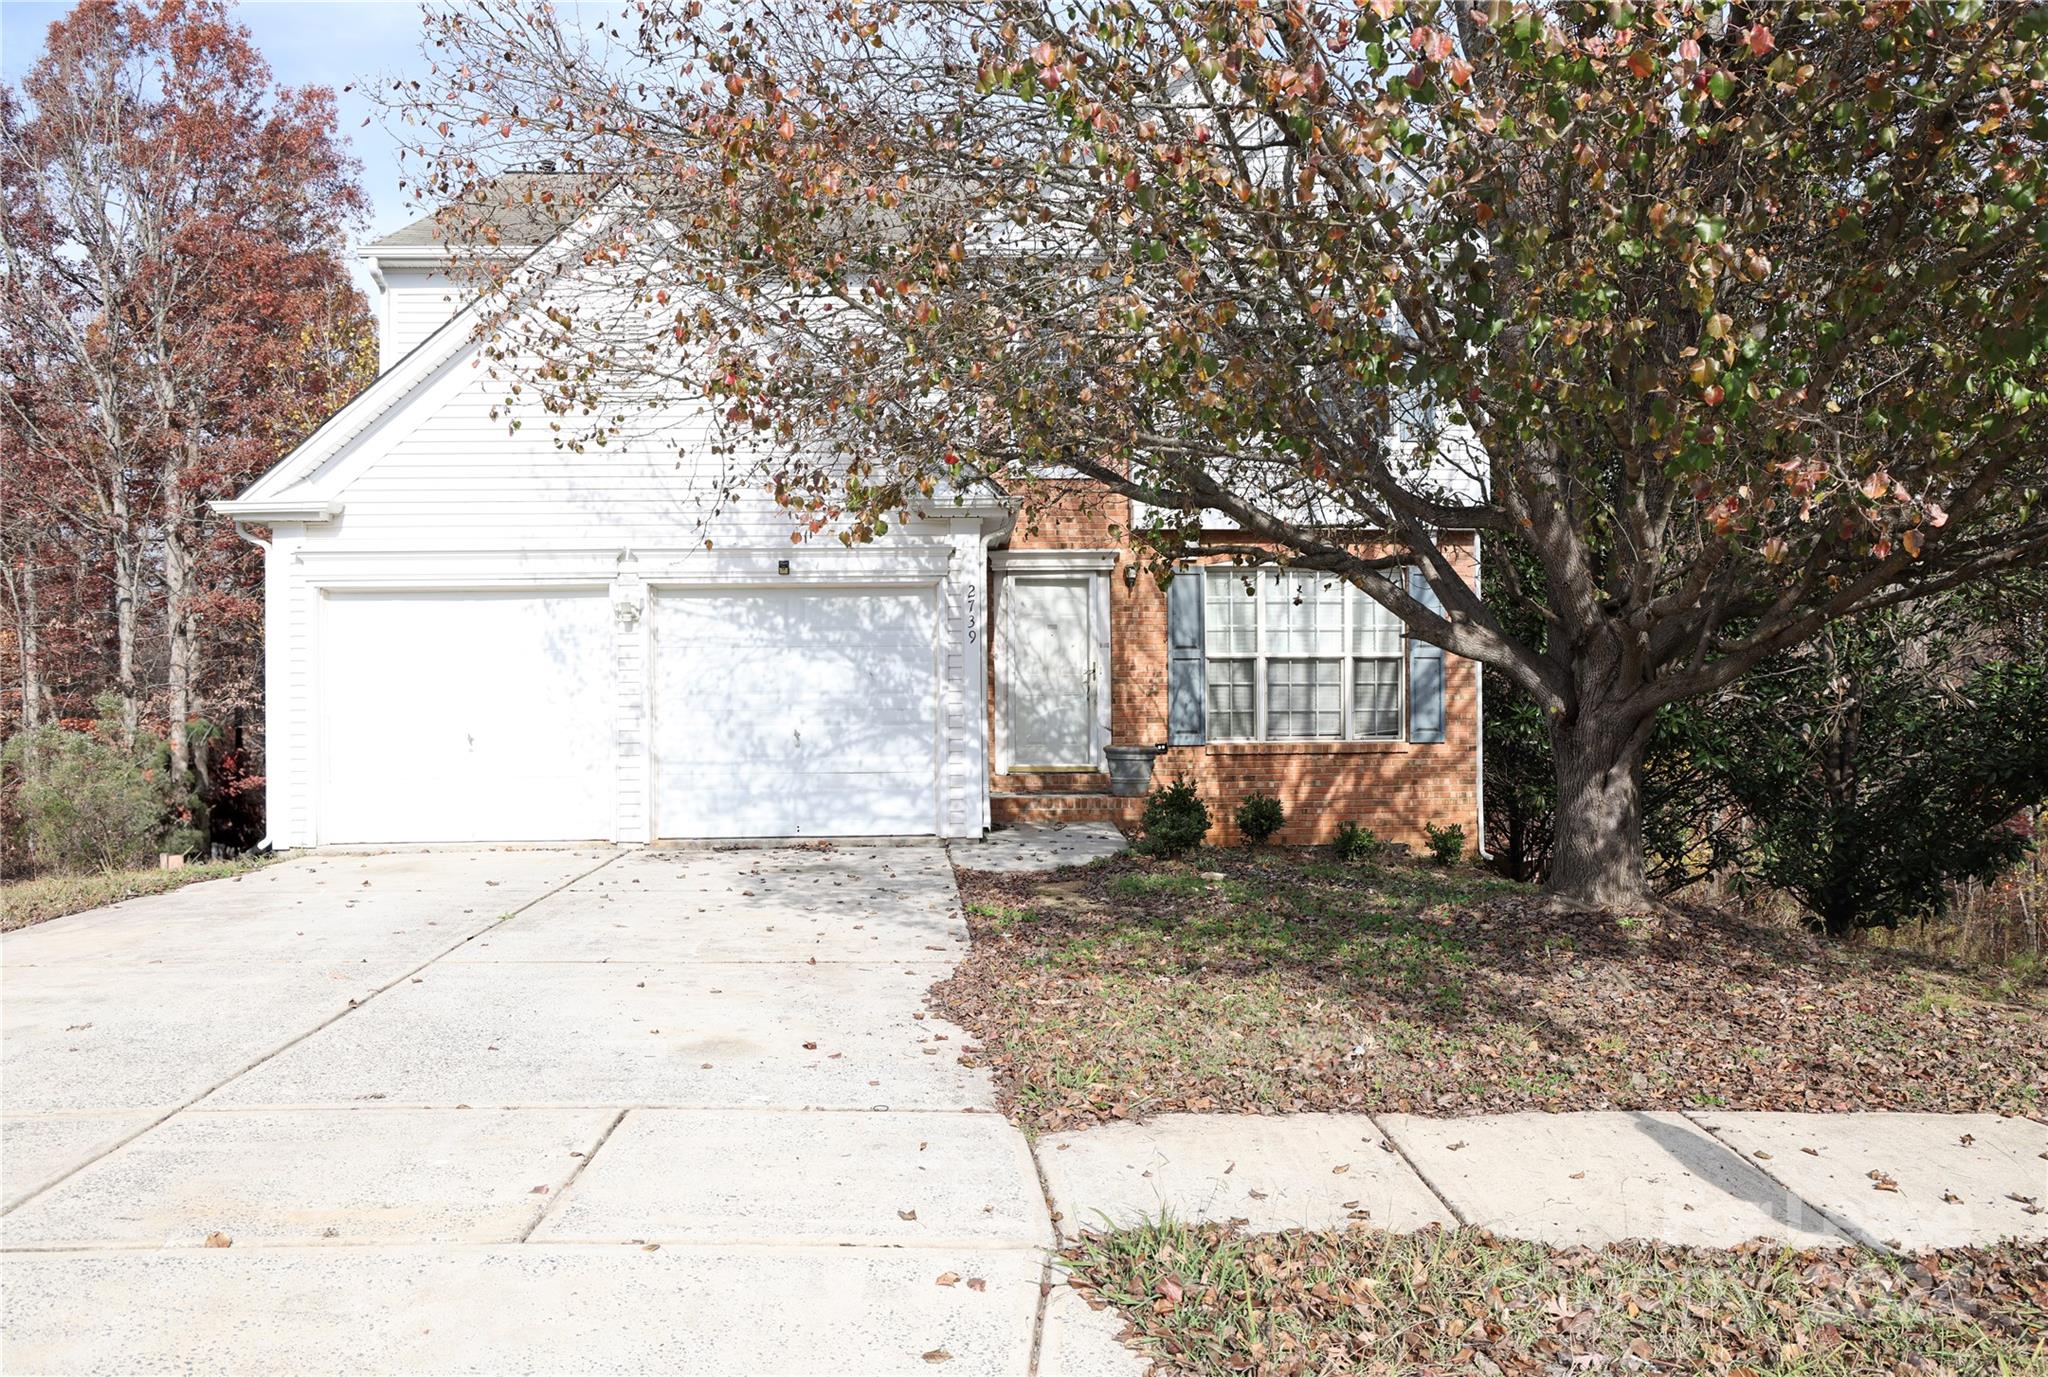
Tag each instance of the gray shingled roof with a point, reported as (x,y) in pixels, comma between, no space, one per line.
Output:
(521,210)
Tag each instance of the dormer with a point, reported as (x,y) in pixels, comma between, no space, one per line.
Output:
(416,294)
(420,273)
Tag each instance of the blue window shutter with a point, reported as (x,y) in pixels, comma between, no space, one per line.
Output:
(1186,677)
(1425,671)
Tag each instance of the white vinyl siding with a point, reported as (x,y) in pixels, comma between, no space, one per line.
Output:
(440,496)
(1299,656)
(416,302)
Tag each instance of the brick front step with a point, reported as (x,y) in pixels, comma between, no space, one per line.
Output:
(1051,782)
(1009,808)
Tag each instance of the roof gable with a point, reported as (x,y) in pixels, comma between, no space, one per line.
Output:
(293,480)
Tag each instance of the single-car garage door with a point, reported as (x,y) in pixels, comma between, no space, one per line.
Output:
(795,712)
(474,716)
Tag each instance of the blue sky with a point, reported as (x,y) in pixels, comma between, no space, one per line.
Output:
(307,42)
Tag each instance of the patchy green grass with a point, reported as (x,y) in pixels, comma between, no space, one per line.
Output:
(1283,981)
(1206,1300)
(24,902)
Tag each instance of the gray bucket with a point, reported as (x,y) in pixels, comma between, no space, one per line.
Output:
(1130,770)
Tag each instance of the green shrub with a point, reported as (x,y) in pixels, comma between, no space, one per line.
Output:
(1259,817)
(1357,842)
(87,802)
(1175,819)
(1446,844)
(1883,765)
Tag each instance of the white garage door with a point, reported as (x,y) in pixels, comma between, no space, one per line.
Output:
(795,712)
(465,717)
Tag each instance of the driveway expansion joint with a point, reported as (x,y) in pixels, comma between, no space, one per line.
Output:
(354,1004)
(582,1165)
(1046,1281)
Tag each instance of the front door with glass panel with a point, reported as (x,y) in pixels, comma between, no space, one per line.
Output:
(1052,681)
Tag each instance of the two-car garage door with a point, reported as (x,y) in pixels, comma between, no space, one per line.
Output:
(489,716)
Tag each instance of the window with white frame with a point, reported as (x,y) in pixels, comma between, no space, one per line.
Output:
(1294,655)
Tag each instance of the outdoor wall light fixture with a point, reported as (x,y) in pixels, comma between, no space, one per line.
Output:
(1131,574)
(782,566)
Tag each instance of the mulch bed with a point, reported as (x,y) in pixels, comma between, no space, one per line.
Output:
(1282,981)
(1462,1301)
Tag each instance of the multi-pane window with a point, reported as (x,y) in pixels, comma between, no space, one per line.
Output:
(1375,669)
(1294,655)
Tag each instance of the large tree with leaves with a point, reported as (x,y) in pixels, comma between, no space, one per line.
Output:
(175,305)
(1733,314)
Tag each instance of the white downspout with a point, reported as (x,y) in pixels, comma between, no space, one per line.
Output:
(263,844)
(1479,724)
(1002,530)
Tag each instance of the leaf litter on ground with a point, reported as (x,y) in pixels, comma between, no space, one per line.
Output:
(1211,1300)
(1294,983)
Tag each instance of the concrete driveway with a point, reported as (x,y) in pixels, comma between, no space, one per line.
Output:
(512,1111)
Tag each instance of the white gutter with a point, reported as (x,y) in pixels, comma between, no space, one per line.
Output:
(1479,725)
(273,510)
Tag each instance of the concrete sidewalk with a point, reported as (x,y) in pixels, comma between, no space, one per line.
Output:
(1901,1181)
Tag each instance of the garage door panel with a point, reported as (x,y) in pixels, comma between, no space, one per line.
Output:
(795,712)
(470,716)
(802,803)
(855,622)
(810,732)
(880,676)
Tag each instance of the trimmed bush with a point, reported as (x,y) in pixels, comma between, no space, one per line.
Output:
(1259,817)
(1447,844)
(86,801)
(1175,819)
(1357,842)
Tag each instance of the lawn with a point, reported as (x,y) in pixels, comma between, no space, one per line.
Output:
(23,902)
(1205,1300)
(1283,981)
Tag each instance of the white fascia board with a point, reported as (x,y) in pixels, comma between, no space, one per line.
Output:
(983,504)
(429,255)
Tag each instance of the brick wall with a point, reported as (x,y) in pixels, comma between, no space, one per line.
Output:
(1391,787)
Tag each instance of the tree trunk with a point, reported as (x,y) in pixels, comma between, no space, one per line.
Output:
(1596,854)
(21,591)
(127,595)
(178,573)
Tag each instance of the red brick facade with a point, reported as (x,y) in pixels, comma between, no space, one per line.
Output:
(1393,787)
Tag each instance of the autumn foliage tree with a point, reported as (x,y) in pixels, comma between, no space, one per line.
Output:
(176,315)
(1732,314)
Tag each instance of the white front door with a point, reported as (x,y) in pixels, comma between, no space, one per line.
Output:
(797,711)
(1051,684)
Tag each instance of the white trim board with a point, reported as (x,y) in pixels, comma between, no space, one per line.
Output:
(1050,561)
